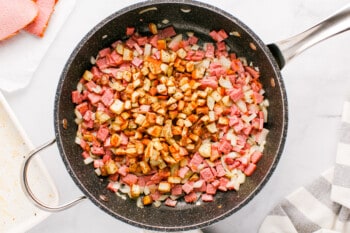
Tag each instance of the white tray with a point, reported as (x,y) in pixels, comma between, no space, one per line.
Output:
(17,213)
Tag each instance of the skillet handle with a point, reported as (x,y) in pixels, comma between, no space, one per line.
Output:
(287,49)
(29,192)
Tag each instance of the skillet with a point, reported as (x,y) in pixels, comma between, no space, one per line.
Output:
(185,16)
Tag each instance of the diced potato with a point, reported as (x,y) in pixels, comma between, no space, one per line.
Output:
(154,131)
(210,103)
(216,96)
(135,191)
(145,168)
(160,120)
(165,56)
(88,75)
(181,53)
(117,106)
(102,117)
(127,54)
(140,119)
(120,48)
(185,87)
(171,101)
(115,140)
(211,115)
(174,179)
(205,150)
(226,100)
(164,187)
(171,90)
(212,128)
(223,121)
(147,200)
(153,28)
(162,89)
(111,167)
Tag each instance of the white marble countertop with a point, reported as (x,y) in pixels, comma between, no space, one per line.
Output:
(317,83)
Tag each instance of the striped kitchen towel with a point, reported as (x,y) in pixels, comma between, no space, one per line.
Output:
(322,206)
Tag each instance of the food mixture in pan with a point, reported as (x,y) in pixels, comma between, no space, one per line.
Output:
(165,118)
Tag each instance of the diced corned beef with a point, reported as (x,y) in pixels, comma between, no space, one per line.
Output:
(207,174)
(130,31)
(141,40)
(183,171)
(123,170)
(196,160)
(239,126)
(192,40)
(88,124)
(232,120)
(255,74)
(97,150)
(130,179)
(236,66)
(156,178)
(187,187)
(224,146)
(85,154)
(102,133)
(220,170)
(221,46)
(156,195)
(107,144)
(90,86)
(209,82)
(218,35)
(94,98)
(142,181)
(130,43)
(104,52)
(167,33)
(211,189)
(102,63)
(207,197)
(255,157)
(98,163)
(107,97)
(235,93)
(76,97)
(202,188)
(170,202)
(257,97)
(153,40)
(137,61)
(106,157)
(124,139)
(191,197)
(114,59)
(176,190)
(111,187)
(216,183)
(138,49)
(83,144)
(213,170)
(114,177)
(39,25)
(209,50)
(223,182)
(198,56)
(249,169)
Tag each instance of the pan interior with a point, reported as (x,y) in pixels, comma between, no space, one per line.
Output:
(185,17)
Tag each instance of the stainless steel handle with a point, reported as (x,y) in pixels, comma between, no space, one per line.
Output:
(287,49)
(29,192)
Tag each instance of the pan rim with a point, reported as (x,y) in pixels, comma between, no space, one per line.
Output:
(101,24)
